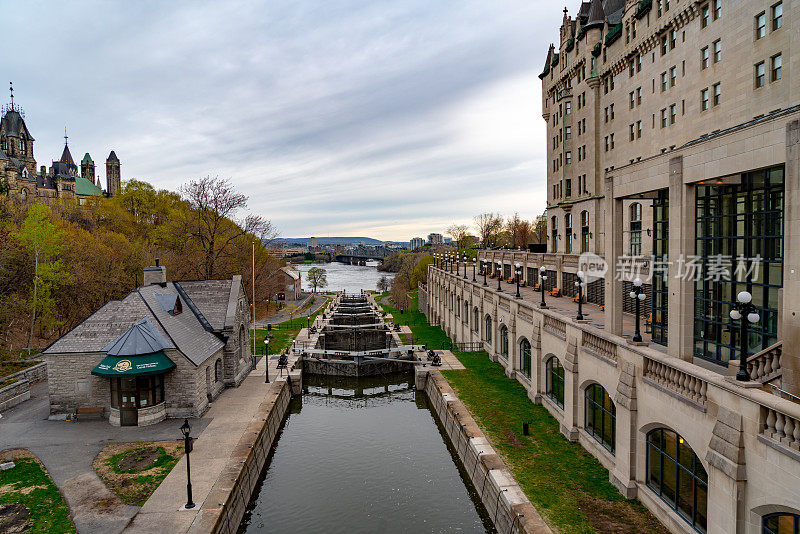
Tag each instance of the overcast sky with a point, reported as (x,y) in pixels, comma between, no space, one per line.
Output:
(360,117)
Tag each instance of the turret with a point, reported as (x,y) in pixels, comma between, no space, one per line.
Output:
(87,168)
(113,175)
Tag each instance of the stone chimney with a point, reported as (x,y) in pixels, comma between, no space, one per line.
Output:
(155,275)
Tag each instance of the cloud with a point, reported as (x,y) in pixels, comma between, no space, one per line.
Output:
(388,119)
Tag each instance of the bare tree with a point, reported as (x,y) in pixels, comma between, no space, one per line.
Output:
(489,226)
(214,203)
(539,232)
(519,231)
(383,284)
(458,232)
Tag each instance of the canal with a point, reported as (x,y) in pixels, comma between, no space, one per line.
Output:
(348,278)
(363,456)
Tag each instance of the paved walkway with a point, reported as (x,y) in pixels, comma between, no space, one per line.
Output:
(315,302)
(230,416)
(68,448)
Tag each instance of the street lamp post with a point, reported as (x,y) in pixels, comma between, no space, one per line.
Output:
(499,274)
(518,272)
(187,446)
(638,294)
(744,309)
(474,264)
(266,359)
(543,277)
(484,267)
(580,284)
(465,266)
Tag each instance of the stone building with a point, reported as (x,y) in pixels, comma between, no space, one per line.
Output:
(673,133)
(19,177)
(292,282)
(167,349)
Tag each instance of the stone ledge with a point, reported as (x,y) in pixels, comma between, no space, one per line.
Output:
(780,447)
(599,356)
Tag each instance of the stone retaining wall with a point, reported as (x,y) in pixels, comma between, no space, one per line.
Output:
(506,503)
(14,394)
(34,373)
(319,366)
(226,503)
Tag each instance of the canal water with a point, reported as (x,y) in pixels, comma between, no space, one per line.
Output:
(363,455)
(348,278)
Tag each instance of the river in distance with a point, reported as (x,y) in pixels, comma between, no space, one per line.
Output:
(347,278)
(363,455)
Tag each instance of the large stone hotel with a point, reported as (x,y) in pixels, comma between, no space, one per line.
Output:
(673,143)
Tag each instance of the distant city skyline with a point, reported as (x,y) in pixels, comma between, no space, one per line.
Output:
(349,118)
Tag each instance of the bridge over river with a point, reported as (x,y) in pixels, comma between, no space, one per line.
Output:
(359,255)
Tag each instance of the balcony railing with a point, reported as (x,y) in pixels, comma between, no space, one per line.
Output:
(765,366)
(556,326)
(679,381)
(600,346)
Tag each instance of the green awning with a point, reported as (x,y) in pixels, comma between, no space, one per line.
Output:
(146,364)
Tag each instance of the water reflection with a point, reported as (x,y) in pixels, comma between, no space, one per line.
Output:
(363,455)
(349,278)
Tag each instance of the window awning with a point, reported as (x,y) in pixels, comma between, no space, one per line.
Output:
(146,364)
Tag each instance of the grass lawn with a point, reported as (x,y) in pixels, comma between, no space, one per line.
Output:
(566,484)
(29,484)
(133,471)
(284,333)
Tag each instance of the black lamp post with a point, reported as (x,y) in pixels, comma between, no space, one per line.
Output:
(187,446)
(266,359)
(484,267)
(517,272)
(499,274)
(474,264)
(465,266)
(744,309)
(543,276)
(580,284)
(639,295)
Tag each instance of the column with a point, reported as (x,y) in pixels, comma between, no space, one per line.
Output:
(789,317)
(613,249)
(680,302)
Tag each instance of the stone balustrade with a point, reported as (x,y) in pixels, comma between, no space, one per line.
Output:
(782,427)
(679,381)
(555,325)
(766,365)
(604,347)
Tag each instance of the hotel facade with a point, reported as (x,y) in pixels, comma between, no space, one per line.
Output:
(673,132)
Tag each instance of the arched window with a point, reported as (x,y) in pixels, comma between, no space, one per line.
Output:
(568,233)
(555,381)
(476,320)
(218,371)
(466,312)
(504,341)
(584,231)
(458,306)
(636,229)
(600,416)
(242,343)
(780,524)
(525,357)
(487,331)
(675,474)
(554,231)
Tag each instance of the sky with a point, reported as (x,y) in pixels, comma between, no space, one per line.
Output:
(383,119)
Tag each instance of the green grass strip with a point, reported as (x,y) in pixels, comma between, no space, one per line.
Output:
(47,507)
(283,334)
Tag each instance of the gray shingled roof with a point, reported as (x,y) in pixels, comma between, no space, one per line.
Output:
(141,338)
(183,331)
(211,298)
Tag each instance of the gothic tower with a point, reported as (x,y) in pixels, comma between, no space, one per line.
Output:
(113,176)
(87,168)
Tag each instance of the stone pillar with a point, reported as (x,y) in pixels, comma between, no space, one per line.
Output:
(537,365)
(789,315)
(571,391)
(728,476)
(613,248)
(623,476)
(680,300)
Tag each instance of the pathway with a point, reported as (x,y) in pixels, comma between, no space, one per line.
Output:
(313,303)
(68,448)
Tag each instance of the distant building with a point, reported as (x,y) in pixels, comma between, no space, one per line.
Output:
(292,282)
(435,239)
(20,178)
(417,242)
(448,239)
(312,243)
